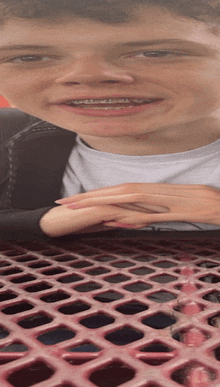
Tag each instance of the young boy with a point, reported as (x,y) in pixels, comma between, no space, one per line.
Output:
(126,96)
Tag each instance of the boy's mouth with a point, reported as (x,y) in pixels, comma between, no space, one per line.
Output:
(110,107)
(109,103)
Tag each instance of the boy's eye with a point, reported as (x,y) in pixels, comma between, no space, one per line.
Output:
(29,58)
(159,54)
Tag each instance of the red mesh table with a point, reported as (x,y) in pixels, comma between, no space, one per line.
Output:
(131,312)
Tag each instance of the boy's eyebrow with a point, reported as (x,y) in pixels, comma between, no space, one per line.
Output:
(11,47)
(161,41)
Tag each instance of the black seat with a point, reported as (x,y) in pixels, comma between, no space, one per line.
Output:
(12,121)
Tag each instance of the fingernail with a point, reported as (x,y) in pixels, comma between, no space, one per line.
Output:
(60,201)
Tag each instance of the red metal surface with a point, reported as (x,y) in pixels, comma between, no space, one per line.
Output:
(130,312)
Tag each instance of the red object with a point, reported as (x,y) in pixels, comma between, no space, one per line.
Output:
(3,102)
(108,312)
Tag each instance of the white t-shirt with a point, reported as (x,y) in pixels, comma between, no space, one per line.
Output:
(89,169)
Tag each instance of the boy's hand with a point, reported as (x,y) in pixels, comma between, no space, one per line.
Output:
(61,220)
(156,202)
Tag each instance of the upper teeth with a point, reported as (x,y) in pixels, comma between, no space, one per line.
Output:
(109,100)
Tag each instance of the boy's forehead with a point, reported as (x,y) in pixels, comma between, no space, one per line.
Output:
(150,24)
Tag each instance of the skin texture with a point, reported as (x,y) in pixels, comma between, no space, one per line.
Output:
(89,60)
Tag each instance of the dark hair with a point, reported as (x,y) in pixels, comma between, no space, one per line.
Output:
(106,11)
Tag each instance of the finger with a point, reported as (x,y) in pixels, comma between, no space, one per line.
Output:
(123,225)
(165,217)
(140,207)
(140,200)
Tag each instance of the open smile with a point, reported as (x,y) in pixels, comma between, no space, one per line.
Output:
(109,106)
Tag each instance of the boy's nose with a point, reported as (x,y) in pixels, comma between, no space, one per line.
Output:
(89,71)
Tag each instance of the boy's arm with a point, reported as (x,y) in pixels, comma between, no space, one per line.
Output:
(19,224)
(50,222)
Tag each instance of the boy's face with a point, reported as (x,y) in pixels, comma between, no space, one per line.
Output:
(166,68)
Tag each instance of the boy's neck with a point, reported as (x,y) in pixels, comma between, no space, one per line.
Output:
(160,142)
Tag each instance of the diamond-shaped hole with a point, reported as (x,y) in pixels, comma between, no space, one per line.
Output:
(7,296)
(105,258)
(7,360)
(156,347)
(108,296)
(159,321)
(65,258)
(54,271)
(89,253)
(214,320)
(84,347)
(112,375)
(205,253)
(142,271)
(123,264)
(75,307)
(217,353)
(146,258)
(39,265)
(38,287)
(138,287)
(163,278)
(81,264)
(27,258)
(13,253)
(52,252)
(3,333)
(18,308)
(11,271)
(35,321)
(4,264)
(87,287)
(14,347)
(98,271)
(70,278)
(56,336)
(162,297)
(132,307)
(97,321)
(189,308)
(152,385)
(211,278)
(23,278)
(184,374)
(191,336)
(124,336)
(214,296)
(117,278)
(207,264)
(165,264)
(78,361)
(65,385)
(55,297)
(31,375)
